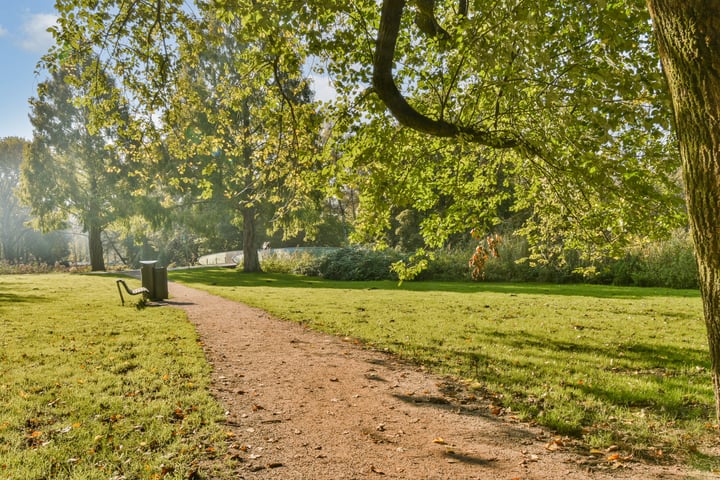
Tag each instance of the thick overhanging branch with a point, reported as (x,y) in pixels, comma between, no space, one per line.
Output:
(426,21)
(387,90)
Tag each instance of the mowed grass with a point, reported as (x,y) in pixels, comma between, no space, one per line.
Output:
(93,390)
(615,367)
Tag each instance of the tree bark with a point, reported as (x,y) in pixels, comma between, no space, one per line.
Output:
(251,260)
(97,260)
(688,36)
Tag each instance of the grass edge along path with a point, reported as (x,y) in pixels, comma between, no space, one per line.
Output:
(617,367)
(91,389)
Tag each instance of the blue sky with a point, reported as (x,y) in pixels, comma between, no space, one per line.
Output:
(23,40)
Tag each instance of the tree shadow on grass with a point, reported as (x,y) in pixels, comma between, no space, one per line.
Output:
(223,277)
(11,297)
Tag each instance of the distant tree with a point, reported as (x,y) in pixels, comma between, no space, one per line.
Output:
(71,168)
(18,241)
(12,214)
(241,132)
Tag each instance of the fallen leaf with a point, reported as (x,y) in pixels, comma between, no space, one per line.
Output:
(374,469)
(439,440)
(554,444)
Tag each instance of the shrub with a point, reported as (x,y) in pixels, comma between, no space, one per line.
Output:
(299,263)
(668,264)
(357,263)
(448,265)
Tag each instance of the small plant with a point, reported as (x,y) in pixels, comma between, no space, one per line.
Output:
(485,249)
(415,265)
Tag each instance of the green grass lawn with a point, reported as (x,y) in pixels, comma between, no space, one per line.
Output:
(613,366)
(93,390)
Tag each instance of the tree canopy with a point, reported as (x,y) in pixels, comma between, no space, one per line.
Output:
(564,103)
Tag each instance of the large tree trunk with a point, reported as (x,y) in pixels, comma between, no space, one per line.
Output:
(97,260)
(688,35)
(251,261)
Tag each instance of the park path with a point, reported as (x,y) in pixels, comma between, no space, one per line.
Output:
(305,405)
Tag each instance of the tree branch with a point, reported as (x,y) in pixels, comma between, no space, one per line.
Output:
(386,89)
(426,21)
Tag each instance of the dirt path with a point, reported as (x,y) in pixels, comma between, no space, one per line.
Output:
(304,405)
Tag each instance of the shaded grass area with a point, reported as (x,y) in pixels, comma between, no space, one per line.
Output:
(91,389)
(610,365)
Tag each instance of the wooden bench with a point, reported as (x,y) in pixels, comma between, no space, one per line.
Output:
(137,291)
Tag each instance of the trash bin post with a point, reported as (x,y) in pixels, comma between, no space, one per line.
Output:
(148,279)
(155,279)
(160,282)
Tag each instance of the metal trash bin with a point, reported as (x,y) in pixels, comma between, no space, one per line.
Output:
(154,279)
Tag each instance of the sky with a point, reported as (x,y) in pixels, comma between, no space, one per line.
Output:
(23,40)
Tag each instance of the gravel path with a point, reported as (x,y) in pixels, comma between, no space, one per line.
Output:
(304,405)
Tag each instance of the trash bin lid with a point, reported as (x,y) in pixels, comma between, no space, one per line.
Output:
(148,262)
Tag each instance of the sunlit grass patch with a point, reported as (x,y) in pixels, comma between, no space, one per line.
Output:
(623,367)
(91,389)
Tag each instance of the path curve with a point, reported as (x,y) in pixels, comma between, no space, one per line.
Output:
(305,405)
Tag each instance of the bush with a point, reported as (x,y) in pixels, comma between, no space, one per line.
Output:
(298,263)
(448,265)
(356,263)
(668,264)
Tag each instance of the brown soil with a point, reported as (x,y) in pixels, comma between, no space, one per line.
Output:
(304,405)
